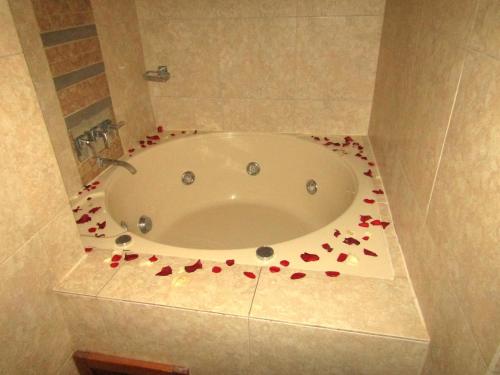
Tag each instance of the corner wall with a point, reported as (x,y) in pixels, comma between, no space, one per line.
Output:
(435,129)
(39,241)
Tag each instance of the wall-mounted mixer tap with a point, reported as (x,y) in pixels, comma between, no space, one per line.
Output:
(160,75)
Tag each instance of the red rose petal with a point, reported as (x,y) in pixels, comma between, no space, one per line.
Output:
(216,269)
(369,201)
(274,269)
(351,241)
(116,258)
(383,224)
(285,263)
(88,249)
(153,137)
(114,264)
(165,271)
(230,262)
(154,258)
(336,233)
(83,219)
(297,275)
(327,247)
(332,273)
(172,134)
(77,209)
(250,275)
(131,150)
(129,257)
(89,198)
(365,238)
(364,218)
(141,142)
(92,229)
(193,267)
(371,164)
(160,129)
(342,257)
(370,253)
(368,173)
(378,191)
(94,210)
(101,225)
(306,257)
(364,225)
(95,183)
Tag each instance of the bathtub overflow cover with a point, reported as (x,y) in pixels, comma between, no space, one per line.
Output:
(253,168)
(264,252)
(188,178)
(123,240)
(145,224)
(312,187)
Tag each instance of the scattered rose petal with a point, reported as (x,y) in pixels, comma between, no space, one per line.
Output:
(165,271)
(369,253)
(369,201)
(92,229)
(95,183)
(116,258)
(317,138)
(129,257)
(364,218)
(101,225)
(378,191)
(216,269)
(89,198)
(342,257)
(114,264)
(365,238)
(306,257)
(336,233)
(131,150)
(153,137)
(364,225)
(76,209)
(351,241)
(88,249)
(83,219)
(332,273)
(297,275)
(141,142)
(371,164)
(383,224)
(250,275)
(327,247)
(94,210)
(160,129)
(285,263)
(193,267)
(230,262)
(172,134)
(368,173)
(153,259)
(274,269)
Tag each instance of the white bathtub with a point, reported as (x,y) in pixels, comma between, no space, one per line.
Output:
(226,213)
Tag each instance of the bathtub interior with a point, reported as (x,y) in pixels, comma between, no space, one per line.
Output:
(226,208)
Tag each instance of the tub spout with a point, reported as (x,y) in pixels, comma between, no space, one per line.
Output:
(103,162)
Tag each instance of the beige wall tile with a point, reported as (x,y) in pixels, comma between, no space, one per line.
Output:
(278,348)
(34,333)
(188,113)
(161,9)
(485,37)
(340,7)
(205,343)
(347,303)
(257,57)
(118,29)
(466,192)
(337,57)
(190,49)
(255,8)
(26,204)
(9,43)
(62,243)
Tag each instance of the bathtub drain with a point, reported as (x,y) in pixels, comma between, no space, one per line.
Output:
(264,252)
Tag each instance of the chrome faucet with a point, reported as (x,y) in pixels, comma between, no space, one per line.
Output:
(104,162)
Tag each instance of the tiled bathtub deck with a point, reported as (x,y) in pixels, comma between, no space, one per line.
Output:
(227,323)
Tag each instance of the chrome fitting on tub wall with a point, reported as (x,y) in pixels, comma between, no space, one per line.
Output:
(89,143)
(159,75)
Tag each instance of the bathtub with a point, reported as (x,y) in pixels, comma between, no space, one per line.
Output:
(310,202)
